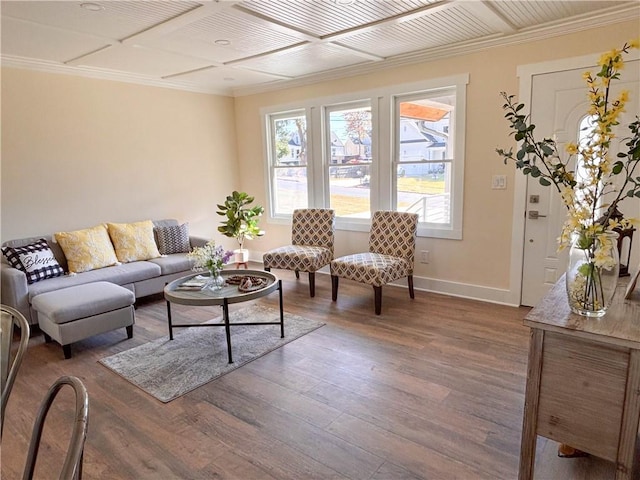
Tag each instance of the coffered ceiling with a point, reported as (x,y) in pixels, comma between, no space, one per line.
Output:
(238,47)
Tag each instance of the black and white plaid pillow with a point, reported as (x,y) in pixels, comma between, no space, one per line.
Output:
(36,260)
(173,239)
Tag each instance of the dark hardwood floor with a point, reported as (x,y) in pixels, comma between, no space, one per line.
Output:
(431,389)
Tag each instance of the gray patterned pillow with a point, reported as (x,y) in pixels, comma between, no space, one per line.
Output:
(173,239)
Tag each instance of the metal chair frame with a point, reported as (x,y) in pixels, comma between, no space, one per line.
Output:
(9,366)
(72,467)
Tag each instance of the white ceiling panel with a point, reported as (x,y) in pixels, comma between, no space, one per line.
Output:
(324,17)
(185,45)
(197,44)
(116,20)
(222,78)
(303,61)
(141,60)
(429,31)
(31,40)
(246,36)
(525,13)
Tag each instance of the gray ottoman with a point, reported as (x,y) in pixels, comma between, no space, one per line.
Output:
(76,313)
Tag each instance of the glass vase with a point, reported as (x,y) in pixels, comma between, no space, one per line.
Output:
(592,273)
(215,281)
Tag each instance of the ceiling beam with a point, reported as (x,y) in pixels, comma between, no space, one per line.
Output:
(173,24)
(488,14)
(394,20)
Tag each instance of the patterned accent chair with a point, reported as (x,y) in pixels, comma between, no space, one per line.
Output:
(392,243)
(312,245)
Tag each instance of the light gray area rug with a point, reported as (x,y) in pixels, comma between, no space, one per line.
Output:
(167,369)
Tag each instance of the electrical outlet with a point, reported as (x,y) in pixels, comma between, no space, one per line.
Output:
(424,256)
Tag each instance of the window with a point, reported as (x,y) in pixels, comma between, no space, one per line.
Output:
(584,177)
(424,155)
(349,166)
(399,148)
(288,170)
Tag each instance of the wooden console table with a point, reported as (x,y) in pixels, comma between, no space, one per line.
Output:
(583,380)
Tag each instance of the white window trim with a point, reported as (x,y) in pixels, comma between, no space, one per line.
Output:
(342,223)
(382,186)
(268,147)
(451,230)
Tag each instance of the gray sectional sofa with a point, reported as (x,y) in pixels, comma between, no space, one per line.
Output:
(141,277)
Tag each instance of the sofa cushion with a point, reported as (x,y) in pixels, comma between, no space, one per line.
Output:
(36,260)
(133,241)
(174,239)
(87,249)
(119,274)
(178,262)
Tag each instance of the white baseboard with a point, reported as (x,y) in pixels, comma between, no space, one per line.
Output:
(455,289)
(465,290)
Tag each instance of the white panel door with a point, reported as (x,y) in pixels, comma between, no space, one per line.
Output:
(559,103)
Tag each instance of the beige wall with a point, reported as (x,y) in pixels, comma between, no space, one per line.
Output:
(482,257)
(79,151)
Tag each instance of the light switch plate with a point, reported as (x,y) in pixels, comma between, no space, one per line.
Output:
(499,182)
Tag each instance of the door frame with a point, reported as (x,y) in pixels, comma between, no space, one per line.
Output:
(525,74)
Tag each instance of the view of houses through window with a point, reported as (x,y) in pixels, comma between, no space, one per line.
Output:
(424,156)
(289,166)
(349,162)
(352,159)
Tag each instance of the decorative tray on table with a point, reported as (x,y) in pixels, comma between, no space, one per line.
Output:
(247,283)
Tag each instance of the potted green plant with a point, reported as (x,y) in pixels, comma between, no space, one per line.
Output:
(241,221)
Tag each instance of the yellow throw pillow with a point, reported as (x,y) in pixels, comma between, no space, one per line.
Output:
(87,249)
(133,241)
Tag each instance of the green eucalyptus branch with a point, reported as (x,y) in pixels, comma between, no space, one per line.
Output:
(632,157)
(531,150)
(631,185)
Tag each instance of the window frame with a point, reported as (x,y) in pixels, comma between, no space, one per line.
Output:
(452,229)
(346,223)
(382,170)
(271,167)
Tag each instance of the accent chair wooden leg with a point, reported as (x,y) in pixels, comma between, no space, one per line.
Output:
(334,287)
(297,274)
(312,284)
(377,294)
(267,269)
(66,349)
(129,331)
(410,281)
(47,338)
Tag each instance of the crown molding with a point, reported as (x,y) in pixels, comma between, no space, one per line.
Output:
(101,74)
